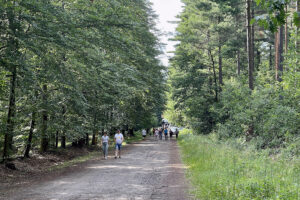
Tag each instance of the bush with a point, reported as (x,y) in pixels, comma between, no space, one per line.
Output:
(266,111)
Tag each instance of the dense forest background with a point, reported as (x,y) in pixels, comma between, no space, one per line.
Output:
(236,71)
(72,69)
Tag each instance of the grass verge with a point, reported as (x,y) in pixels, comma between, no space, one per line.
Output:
(222,171)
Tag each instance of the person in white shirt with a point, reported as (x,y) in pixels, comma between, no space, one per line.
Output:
(104,142)
(144,133)
(156,133)
(118,140)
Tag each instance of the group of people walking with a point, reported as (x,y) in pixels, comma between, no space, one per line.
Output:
(159,132)
(118,138)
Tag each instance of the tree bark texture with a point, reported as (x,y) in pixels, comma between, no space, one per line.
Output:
(278,53)
(44,135)
(63,136)
(8,138)
(238,63)
(220,58)
(250,46)
(29,140)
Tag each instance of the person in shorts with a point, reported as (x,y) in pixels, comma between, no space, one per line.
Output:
(104,142)
(119,138)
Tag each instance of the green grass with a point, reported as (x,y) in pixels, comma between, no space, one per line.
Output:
(222,171)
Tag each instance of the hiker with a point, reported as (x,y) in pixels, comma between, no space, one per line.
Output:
(118,140)
(144,133)
(156,134)
(166,133)
(104,142)
(160,133)
(171,133)
(176,132)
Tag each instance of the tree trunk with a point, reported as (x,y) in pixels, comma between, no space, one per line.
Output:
(215,74)
(286,33)
(270,57)
(29,140)
(297,42)
(63,141)
(87,139)
(220,59)
(44,136)
(94,139)
(56,140)
(63,137)
(8,138)
(131,132)
(238,62)
(250,46)
(279,51)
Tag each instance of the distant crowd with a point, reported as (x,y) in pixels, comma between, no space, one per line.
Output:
(119,138)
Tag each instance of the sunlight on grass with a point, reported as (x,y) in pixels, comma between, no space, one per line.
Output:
(219,171)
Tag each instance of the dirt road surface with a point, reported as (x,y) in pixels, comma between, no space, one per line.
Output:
(148,170)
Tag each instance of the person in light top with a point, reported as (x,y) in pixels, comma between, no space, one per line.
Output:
(104,142)
(119,138)
(144,133)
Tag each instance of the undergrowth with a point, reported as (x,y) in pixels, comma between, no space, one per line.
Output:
(228,172)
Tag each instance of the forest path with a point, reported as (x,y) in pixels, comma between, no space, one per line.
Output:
(149,170)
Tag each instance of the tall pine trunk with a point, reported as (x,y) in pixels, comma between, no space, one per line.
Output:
(63,136)
(278,53)
(220,58)
(44,136)
(8,138)
(29,140)
(250,46)
(238,62)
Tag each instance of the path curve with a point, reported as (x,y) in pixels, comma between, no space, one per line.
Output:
(149,170)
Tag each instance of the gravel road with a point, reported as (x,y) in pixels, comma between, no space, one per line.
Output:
(148,170)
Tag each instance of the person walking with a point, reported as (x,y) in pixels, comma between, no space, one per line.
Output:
(156,134)
(104,142)
(166,133)
(177,133)
(144,133)
(160,133)
(119,138)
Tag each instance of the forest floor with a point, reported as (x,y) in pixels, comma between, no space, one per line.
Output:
(148,169)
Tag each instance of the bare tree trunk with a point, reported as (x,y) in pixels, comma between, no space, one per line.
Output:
(215,74)
(286,33)
(29,140)
(238,64)
(63,136)
(220,58)
(56,139)
(297,29)
(87,139)
(44,136)
(250,46)
(279,51)
(270,57)
(8,138)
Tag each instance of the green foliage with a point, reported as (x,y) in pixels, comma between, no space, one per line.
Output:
(221,171)
(82,66)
